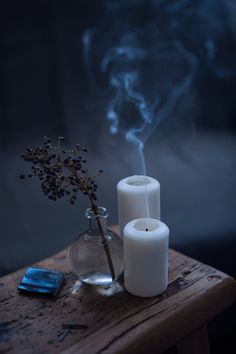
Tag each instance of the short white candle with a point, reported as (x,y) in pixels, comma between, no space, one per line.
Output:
(146,243)
(138,197)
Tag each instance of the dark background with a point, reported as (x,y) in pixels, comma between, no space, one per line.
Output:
(52,83)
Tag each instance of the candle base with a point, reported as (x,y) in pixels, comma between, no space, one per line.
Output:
(143,293)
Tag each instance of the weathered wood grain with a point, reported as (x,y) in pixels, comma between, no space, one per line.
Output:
(117,321)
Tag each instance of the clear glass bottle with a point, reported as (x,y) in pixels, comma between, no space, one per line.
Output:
(97,255)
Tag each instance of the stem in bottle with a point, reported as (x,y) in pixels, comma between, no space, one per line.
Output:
(104,242)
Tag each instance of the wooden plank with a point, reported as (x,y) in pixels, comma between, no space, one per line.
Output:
(117,321)
(159,325)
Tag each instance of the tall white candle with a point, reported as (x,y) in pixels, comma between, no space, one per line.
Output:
(146,243)
(138,197)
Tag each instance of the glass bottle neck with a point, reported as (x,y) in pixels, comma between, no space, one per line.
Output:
(97,221)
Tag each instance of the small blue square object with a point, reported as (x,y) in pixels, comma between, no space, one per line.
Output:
(41,281)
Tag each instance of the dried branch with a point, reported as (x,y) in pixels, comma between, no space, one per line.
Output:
(64,173)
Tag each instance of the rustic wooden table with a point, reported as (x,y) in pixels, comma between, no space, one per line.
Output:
(117,321)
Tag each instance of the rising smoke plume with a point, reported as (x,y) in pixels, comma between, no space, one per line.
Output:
(146,57)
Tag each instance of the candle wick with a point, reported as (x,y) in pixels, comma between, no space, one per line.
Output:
(146,229)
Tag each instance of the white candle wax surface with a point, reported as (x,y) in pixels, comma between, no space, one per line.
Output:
(146,243)
(138,197)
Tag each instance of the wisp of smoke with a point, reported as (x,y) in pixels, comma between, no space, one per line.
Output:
(146,55)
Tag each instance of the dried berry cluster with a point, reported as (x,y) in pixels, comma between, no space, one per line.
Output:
(61,172)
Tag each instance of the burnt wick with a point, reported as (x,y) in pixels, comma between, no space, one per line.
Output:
(146,230)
